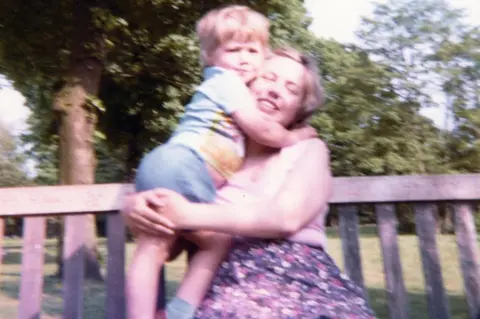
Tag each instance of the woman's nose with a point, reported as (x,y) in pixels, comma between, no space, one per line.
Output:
(273,94)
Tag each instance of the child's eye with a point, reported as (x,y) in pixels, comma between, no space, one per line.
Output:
(253,50)
(233,49)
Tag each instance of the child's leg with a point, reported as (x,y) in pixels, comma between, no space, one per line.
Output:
(143,275)
(180,169)
(199,275)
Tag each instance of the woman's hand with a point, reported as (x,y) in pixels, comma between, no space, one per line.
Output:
(173,207)
(140,212)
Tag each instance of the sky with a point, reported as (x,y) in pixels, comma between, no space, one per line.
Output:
(331,19)
(13,111)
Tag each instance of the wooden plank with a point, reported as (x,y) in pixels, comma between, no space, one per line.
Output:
(387,231)
(100,198)
(438,307)
(2,251)
(74,266)
(348,216)
(57,200)
(31,282)
(115,301)
(466,236)
(412,188)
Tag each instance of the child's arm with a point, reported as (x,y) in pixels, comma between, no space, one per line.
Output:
(230,93)
(267,132)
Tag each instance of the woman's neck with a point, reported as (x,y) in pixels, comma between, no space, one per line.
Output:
(255,150)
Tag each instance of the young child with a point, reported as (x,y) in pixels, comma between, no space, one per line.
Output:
(205,150)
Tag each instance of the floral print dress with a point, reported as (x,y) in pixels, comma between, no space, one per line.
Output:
(282,279)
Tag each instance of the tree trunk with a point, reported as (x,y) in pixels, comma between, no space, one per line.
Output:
(78,119)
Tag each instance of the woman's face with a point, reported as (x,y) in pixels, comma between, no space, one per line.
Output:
(279,89)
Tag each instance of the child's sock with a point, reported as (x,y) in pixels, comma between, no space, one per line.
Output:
(180,309)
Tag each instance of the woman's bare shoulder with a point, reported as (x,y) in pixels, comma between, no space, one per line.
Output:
(306,153)
(311,146)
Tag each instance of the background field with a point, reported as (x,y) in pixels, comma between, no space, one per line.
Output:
(372,267)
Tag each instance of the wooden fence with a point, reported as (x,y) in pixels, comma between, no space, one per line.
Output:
(35,203)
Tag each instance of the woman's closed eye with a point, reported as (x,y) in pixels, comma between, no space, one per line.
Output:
(293,88)
(269,76)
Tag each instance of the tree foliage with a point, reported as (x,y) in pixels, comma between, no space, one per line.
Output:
(116,71)
(433,58)
(12,163)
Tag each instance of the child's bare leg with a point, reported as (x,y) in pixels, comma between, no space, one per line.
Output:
(199,275)
(143,276)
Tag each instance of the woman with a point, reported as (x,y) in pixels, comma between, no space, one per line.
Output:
(276,207)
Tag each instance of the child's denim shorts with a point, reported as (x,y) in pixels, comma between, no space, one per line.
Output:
(177,168)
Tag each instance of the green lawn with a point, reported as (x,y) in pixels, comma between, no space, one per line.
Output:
(372,268)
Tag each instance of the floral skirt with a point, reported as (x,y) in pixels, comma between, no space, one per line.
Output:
(281,279)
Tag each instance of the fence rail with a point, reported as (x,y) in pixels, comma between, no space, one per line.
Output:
(34,203)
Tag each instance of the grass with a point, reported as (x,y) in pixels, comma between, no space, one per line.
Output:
(371,261)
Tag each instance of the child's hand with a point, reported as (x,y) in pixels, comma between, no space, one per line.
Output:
(302,133)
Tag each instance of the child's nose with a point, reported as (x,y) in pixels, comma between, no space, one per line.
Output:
(243,56)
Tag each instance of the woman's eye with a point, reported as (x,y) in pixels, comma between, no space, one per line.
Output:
(269,77)
(293,89)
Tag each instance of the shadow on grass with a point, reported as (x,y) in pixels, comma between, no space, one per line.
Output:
(94,300)
(15,258)
(365,231)
(16,244)
(94,293)
(52,303)
(417,304)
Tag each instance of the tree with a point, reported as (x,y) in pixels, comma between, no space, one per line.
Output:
(403,34)
(12,164)
(12,172)
(369,128)
(431,53)
(135,54)
(458,64)
(432,58)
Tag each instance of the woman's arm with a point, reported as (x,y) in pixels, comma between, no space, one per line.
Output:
(306,193)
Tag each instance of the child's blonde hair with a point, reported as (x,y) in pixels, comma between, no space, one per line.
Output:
(234,22)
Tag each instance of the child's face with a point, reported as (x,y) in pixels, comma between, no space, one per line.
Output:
(244,58)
